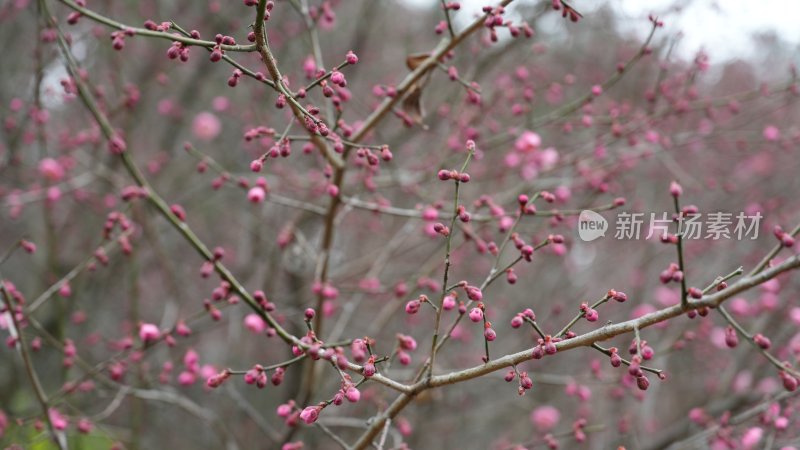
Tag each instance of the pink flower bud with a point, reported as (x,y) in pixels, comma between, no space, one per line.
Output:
(310,414)
(675,189)
(149,333)
(352,394)
(476,315)
(489,334)
(256,194)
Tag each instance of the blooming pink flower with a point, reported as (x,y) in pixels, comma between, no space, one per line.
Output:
(206,126)
(545,418)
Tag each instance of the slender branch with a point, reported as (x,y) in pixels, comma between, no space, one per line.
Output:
(22,348)
(684,293)
(449,239)
(157,34)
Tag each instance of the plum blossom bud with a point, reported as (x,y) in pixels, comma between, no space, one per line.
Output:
(352,394)
(412,307)
(310,414)
(216,381)
(474,293)
(149,333)
(351,58)
(449,302)
(369,367)
(489,333)
(256,194)
(476,315)
(731,338)
(675,189)
(789,382)
(762,341)
(616,360)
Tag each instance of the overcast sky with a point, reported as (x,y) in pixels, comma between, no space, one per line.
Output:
(722,27)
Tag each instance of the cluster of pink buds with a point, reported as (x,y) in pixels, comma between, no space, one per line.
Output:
(525,205)
(112,219)
(547,346)
(566,10)
(213,311)
(348,391)
(370,156)
(785,238)
(217,52)
(494,19)
(672,273)
(255,133)
(577,430)
(647,352)
(312,122)
(635,370)
(405,344)
(446,175)
(118,38)
(223,290)
(520,317)
(70,86)
(462,214)
(615,359)
(152,26)
(257,375)
(589,313)
(234,78)
(179,50)
(525,383)
(133,192)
